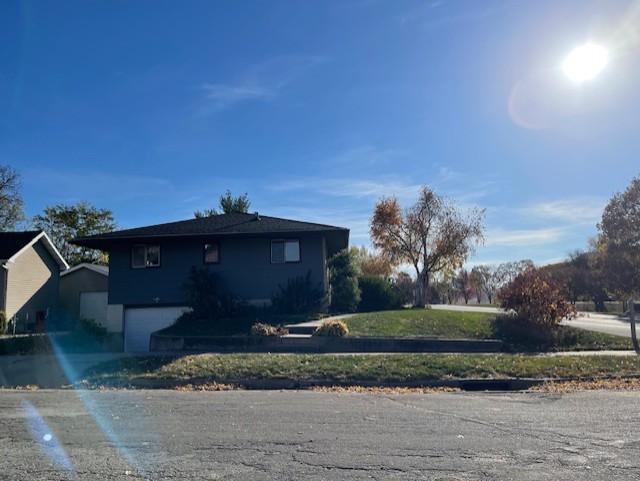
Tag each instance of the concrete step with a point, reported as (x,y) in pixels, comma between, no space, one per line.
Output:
(301,329)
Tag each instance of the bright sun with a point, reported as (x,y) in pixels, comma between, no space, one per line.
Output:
(585,62)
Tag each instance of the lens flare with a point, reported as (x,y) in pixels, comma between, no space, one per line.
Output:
(42,434)
(585,62)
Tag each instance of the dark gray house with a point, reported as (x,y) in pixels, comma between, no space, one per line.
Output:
(251,253)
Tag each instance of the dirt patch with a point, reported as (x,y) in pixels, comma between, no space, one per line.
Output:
(212,386)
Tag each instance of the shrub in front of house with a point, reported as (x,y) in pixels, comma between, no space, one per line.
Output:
(267,330)
(537,298)
(212,309)
(4,325)
(377,294)
(90,328)
(206,297)
(332,328)
(345,292)
(299,296)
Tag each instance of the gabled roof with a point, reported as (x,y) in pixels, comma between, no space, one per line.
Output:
(217,225)
(104,270)
(13,244)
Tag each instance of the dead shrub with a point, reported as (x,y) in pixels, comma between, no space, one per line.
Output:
(332,328)
(262,329)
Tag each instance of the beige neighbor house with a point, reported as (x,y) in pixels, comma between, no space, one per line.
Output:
(83,294)
(30,268)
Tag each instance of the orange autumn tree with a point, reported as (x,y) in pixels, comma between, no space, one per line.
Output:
(432,235)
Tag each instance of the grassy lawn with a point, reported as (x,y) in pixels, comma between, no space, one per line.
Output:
(233,368)
(422,322)
(472,325)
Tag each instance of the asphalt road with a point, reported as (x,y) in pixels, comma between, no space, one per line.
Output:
(272,435)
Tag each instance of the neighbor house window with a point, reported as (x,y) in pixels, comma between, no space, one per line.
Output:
(285,251)
(143,256)
(211,253)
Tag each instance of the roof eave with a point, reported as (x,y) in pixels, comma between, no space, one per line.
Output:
(49,245)
(103,243)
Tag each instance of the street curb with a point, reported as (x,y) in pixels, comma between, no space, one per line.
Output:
(471,384)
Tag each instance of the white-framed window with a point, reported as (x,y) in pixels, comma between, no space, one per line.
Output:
(285,250)
(211,253)
(144,256)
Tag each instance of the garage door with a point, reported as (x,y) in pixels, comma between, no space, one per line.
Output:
(139,323)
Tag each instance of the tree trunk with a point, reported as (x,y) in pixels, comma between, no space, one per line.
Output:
(422,290)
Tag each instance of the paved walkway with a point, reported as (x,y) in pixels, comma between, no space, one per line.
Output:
(317,322)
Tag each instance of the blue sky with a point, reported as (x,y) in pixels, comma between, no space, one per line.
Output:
(316,109)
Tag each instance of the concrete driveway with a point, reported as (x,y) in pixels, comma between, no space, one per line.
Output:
(272,435)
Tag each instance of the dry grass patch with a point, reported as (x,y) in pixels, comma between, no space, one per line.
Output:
(619,384)
(384,390)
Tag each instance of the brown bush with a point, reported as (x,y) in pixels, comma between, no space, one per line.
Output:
(332,328)
(538,298)
(262,329)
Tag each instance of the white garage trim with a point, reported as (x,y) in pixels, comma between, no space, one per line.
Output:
(140,322)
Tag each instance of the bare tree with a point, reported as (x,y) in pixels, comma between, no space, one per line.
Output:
(478,278)
(463,285)
(431,235)
(508,271)
(11,206)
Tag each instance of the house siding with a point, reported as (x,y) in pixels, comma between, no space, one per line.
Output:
(32,284)
(245,269)
(74,283)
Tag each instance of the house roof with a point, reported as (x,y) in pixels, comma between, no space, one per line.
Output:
(13,244)
(104,270)
(235,224)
